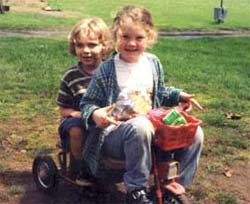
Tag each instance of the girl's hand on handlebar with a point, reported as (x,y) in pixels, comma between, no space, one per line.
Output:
(189,98)
(102,117)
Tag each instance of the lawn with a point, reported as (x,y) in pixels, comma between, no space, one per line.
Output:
(168,14)
(216,70)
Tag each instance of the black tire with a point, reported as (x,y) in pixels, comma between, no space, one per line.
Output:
(177,199)
(45,173)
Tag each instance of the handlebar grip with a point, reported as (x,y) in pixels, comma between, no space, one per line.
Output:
(187,107)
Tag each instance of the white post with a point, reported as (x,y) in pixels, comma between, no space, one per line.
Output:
(221,3)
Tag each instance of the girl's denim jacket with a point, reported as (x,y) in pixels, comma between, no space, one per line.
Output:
(103,91)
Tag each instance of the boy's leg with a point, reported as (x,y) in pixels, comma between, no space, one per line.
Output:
(76,141)
(131,142)
(71,135)
(70,127)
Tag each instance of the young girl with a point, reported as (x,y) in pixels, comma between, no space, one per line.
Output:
(89,41)
(132,76)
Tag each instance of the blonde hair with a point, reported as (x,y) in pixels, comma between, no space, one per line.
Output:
(87,25)
(138,15)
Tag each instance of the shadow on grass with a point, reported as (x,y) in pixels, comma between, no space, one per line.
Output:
(65,193)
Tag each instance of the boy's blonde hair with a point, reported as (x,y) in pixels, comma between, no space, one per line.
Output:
(138,15)
(87,25)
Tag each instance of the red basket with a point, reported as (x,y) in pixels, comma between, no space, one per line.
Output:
(169,137)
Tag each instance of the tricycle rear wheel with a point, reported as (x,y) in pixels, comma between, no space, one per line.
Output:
(45,173)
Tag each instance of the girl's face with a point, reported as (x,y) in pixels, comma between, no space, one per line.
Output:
(131,41)
(89,51)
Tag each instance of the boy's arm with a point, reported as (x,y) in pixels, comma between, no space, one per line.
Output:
(69,112)
(65,100)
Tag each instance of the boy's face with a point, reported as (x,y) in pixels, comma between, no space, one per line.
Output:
(131,41)
(89,51)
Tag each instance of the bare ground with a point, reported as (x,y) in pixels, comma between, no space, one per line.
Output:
(16,172)
(37,6)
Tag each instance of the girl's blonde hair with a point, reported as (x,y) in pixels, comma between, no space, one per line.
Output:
(138,15)
(87,25)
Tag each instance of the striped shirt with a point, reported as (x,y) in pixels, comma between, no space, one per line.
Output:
(74,84)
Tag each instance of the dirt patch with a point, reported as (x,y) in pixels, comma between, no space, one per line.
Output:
(38,7)
(21,138)
(237,184)
(64,194)
(241,176)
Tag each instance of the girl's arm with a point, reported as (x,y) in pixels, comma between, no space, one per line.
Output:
(167,96)
(102,92)
(171,96)
(102,117)
(94,98)
(90,102)
(189,98)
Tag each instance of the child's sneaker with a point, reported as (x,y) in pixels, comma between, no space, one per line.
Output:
(137,197)
(171,199)
(84,180)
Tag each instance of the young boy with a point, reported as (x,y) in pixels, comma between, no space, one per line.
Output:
(90,42)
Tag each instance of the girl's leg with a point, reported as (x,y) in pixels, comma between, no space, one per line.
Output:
(189,158)
(131,141)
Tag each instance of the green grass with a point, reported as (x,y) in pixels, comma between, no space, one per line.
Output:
(30,68)
(168,14)
(220,66)
(216,70)
(17,21)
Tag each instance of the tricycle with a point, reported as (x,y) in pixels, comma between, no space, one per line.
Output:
(165,190)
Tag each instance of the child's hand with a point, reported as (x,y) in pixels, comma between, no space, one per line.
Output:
(126,117)
(189,98)
(102,117)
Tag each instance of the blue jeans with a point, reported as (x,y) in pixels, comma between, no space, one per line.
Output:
(131,142)
(188,158)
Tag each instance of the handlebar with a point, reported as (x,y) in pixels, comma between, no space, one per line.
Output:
(187,107)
